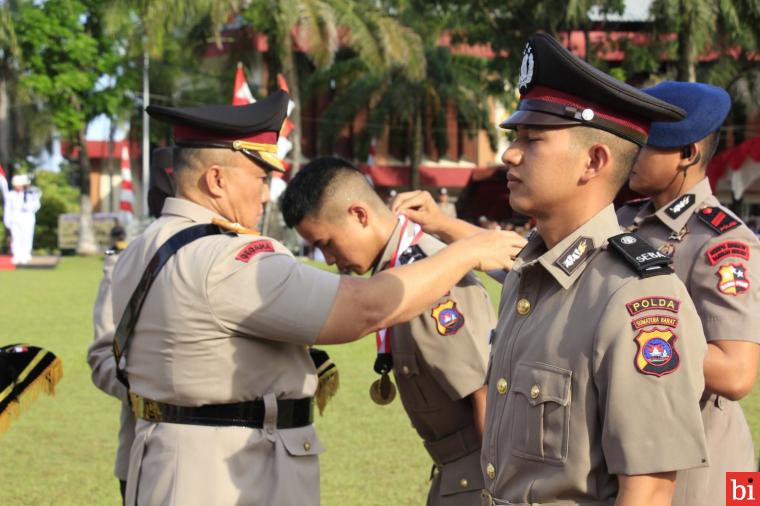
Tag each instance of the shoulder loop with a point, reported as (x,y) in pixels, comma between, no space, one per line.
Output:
(718,219)
(641,255)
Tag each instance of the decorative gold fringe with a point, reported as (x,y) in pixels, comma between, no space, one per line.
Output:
(44,384)
(327,387)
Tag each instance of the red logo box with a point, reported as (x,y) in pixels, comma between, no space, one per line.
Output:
(742,489)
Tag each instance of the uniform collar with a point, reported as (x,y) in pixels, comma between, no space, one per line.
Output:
(184,208)
(567,260)
(677,212)
(392,245)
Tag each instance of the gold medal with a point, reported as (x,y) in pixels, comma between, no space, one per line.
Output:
(382,391)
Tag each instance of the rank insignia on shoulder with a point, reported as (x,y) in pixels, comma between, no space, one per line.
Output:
(411,254)
(733,279)
(678,207)
(656,354)
(575,255)
(644,258)
(252,249)
(725,249)
(717,219)
(448,319)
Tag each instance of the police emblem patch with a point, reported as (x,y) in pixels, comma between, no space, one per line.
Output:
(527,69)
(679,206)
(574,256)
(252,249)
(448,319)
(725,249)
(656,354)
(733,279)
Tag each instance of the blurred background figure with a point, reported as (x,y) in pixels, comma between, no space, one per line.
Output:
(20,205)
(446,206)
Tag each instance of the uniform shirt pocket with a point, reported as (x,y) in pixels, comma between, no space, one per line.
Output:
(540,412)
(301,441)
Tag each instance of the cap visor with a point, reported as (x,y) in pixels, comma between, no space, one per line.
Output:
(273,163)
(536,118)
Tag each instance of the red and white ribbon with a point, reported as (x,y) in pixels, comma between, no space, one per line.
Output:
(408,238)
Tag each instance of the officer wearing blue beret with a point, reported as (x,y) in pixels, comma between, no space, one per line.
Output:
(715,255)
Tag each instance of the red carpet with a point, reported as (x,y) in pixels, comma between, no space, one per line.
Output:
(5,263)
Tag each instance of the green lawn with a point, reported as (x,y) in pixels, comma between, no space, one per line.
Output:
(61,450)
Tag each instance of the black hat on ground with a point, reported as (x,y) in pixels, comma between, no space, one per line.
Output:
(252,129)
(557,88)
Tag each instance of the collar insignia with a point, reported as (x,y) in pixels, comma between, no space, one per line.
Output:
(575,255)
(679,206)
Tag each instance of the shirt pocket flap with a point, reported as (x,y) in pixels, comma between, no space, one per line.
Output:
(463,475)
(541,383)
(301,441)
(405,364)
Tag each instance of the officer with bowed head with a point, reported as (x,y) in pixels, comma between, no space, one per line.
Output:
(212,340)
(596,363)
(715,255)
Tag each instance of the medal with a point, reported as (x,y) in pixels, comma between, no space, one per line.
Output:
(382,391)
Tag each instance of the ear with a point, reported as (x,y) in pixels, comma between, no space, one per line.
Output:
(690,155)
(215,180)
(360,213)
(599,160)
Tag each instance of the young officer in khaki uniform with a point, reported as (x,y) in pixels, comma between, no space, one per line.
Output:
(439,358)
(596,363)
(214,336)
(100,354)
(716,256)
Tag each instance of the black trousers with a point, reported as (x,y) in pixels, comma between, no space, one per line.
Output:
(123,488)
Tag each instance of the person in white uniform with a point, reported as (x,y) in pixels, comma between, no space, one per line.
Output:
(21,204)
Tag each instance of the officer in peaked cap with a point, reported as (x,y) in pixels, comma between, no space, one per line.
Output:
(212,340)
(596,362)
(715,255)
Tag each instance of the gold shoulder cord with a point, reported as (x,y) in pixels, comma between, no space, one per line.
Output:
(236,228)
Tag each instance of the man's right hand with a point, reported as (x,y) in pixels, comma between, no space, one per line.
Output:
(494,249)
(420,207)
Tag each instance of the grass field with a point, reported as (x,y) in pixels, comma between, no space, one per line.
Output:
(61,450)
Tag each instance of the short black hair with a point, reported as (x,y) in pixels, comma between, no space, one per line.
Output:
(306,191)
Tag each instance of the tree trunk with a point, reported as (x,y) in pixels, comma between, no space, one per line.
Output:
(86,244)
(687,56)
(416,158)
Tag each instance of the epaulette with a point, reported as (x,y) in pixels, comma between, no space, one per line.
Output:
(641,255)
(717,219)
(235,228)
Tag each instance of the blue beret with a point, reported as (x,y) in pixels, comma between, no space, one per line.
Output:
(706,107)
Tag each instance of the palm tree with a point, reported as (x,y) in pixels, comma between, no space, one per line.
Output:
(8,53)
(156,20)
(319,27)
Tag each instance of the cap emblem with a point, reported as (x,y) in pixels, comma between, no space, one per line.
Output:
(526,69)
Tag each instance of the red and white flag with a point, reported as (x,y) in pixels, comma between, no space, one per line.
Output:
(126,194)
(241,94)
(283,143)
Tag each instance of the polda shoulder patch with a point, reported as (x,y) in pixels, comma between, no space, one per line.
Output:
(640,255)
(717,219)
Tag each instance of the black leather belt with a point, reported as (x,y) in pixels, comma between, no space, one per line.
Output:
(291,413)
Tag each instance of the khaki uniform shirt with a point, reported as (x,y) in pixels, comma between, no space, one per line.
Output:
(718,269)
(439,359)
(594,373)
(103,366)
(228,319)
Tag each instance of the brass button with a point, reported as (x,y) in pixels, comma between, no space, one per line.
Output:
(535,391)
(405,370)
(491,471)
(523,307)
(502,386)
(464,483)
(307,446)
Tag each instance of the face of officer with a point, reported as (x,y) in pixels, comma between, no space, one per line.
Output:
(246,189)
(543,169)
(347,241)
